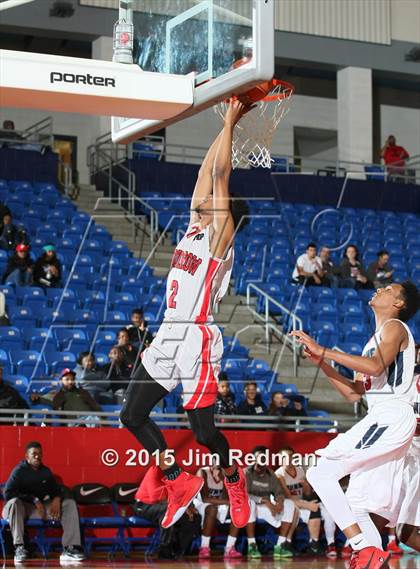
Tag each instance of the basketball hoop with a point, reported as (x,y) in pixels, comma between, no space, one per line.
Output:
(253,135)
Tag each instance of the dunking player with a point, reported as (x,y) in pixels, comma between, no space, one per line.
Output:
(373,451)
(188,346)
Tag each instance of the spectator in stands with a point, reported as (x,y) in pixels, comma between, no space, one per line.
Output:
(131,354)
(47,269)
(4,210)
(280,406)
(4,318)
(139,334)
(268,504)
(213,505)
(93,379)
(353,274)
(10,234)
(19,267)
(151,504)
(394,157)
(8,131)
(380,271)
(329,271)
(10,398)
(118,372)
(31,491)
(252,404)
(73,398)
(308,268)
(225,402)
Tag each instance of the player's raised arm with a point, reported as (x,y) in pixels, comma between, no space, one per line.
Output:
(351,390)
(222,217)
(204,184)
(393,339)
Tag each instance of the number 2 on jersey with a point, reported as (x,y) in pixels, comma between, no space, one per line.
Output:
(174,289)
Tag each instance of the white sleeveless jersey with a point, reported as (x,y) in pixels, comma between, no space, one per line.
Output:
(397,382)
(293,484)
(215,488)
(196,281)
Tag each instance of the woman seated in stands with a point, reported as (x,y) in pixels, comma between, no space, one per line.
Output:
(19,267)
(280,406)
(93,379)
(118,372)
(130,352)
(47,269)
(353,274)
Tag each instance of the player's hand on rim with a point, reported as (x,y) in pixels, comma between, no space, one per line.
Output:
(236,110)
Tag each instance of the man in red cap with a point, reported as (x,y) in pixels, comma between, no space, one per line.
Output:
(19,267)
(73,398)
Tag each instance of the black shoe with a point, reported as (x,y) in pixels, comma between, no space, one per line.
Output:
(21,555)
(315,548)
(74,553)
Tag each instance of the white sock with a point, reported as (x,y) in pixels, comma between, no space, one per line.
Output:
(347,543)
(280,540)
(230,542)
(251,540)
(205,541)
(391,537)
(289,540)
(358,542)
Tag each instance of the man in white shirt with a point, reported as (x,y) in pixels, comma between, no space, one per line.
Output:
(308,267)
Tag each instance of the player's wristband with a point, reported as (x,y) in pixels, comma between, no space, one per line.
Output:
(36,500)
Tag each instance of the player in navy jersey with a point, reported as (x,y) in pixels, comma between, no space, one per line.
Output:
(188,346)
(373,451)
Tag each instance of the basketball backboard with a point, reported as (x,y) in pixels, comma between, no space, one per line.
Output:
(228,46)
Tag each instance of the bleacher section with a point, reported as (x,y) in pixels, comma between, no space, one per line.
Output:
(102,283)
(266,252)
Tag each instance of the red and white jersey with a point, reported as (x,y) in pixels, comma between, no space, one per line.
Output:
(196,281)
(397,381)
(294,484)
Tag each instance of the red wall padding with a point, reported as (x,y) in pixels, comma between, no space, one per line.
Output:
(74,454)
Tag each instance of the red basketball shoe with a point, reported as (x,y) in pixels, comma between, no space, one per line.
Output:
(394,548)
(181,492)
(346,552)
(240,509)
(369,558)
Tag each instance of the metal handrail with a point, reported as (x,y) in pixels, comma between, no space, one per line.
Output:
(28,417)
(297,323)
(104,149)
(38,129)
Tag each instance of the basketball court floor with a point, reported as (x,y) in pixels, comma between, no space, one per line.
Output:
(403,562)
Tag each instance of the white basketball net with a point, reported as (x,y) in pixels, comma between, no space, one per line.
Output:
(253,135)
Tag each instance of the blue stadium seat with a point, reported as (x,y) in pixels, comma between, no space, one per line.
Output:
(23,317)
(29,363)
(10,338)
(19,382)
(351,348)
(101,358)
(4,358)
